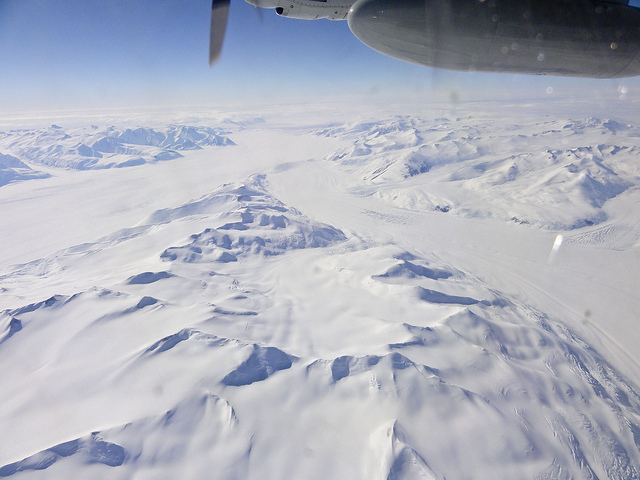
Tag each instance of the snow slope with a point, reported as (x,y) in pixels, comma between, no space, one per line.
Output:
(305,310)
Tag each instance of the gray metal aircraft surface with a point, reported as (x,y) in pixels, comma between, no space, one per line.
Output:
(575,38)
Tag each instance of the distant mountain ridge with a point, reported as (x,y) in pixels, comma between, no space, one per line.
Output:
(556,175)
(12,169)
(93,147)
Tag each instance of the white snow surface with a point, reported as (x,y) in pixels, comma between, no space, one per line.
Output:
(333,291)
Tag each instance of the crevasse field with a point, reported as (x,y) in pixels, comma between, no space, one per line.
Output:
(334,291)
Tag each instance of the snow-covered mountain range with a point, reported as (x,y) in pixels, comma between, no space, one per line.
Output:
(567,168)
(396,297)
(83,148)
(12,170)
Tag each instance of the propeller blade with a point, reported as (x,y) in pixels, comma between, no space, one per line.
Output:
(219,16)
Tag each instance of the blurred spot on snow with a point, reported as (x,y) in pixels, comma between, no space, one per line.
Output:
(556,247)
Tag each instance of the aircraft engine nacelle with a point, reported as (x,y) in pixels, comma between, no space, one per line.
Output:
(314,9)
(583,38)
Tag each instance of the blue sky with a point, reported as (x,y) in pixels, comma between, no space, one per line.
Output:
(57,54)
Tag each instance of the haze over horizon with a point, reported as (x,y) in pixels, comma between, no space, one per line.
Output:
(70,54)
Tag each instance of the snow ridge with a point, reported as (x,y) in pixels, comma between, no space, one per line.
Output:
(151,443)
(256,224)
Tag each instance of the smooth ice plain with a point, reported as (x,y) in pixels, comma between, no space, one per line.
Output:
(322,291)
